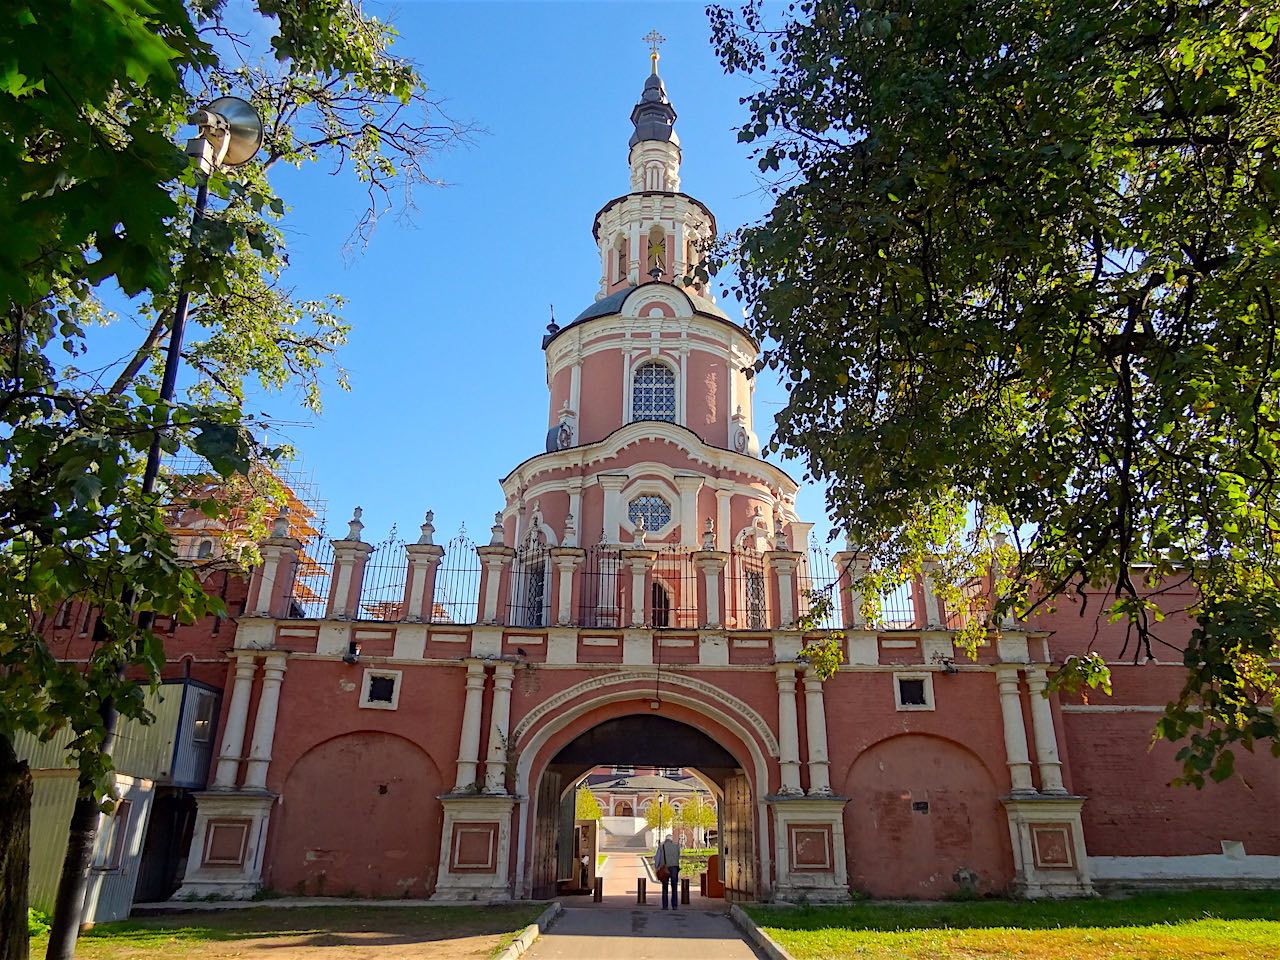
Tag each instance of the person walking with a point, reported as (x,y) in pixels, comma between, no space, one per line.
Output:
(667,860)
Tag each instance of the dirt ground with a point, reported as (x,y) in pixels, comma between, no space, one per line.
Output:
(310,933)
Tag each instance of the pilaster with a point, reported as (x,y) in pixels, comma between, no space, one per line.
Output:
(788,730)
(420,580)
(565,561)
(783,563)
(469,741)
(641,563)
(712,564)
(495,560)
(495,767)
(815,724)
(273,579)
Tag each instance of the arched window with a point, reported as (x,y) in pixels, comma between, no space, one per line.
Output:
(661,605)
(653,392)
(620,260)
(657,254)
(623,809)
(205,550)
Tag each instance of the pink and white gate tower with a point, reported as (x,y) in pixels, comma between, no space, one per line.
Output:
(640,601)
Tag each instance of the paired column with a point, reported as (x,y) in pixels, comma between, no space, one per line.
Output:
(788,730)
(1015,730)
(1042,732)
(469,743)
(495,777)
(264,724)
(232,749)
(815,715)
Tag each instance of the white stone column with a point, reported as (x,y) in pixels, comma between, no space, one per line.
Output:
(784,563)
(932,613)
(1043,734)
(1015,731)
(469,742)
(612,485)
(815,717)
(264,723)
(495,768)
(640,561)
(566,560)
(232,749)
(788,730)
(712,564)
(689,487)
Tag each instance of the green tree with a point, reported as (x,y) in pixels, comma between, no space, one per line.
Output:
(1020,275)
(660,815)
(586,806)
(97,195)
(699,816)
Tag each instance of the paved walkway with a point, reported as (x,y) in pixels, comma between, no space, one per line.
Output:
(621,929)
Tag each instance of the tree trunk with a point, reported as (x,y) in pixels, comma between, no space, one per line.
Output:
(68,906)
(15,851)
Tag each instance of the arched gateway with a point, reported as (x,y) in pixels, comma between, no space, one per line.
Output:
(638,600)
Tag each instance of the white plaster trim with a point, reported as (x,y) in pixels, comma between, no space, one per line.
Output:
(1210,866)
(927,677)
(396,677)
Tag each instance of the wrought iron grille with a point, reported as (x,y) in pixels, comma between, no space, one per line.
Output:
(382,595)
(308,596)
(655,510)
(674,591)
(653,392)
(457,590)
(819,597)
(600,594)
(898,608)
(746,603)
(530,586)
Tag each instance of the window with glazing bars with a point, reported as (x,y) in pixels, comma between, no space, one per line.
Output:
(653,393)
(655,510)
(755,600)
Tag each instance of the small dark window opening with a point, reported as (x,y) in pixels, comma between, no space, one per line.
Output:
(205,550)
(661,606)
(920,806)
(64,615)
(382,689)
(911,692)
(202,727)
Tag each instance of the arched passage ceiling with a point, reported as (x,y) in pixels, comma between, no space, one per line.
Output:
(645,741)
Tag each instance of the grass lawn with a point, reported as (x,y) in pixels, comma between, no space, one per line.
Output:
(1197,925)
(309,933)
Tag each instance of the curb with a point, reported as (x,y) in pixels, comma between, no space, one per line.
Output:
(532,932)
(768,946)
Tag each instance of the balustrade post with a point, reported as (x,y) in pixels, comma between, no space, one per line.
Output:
(349,558)
(273,579)
(712,564)
(641,563)
(784,564)
(420,580)
(565,560)
(850,568)
(494,558)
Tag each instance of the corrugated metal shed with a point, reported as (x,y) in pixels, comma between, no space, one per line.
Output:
(53,795)
(140,751)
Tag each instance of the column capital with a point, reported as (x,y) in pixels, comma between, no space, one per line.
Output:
(494,554)
(786,671)
(424,552)
(710,559)
(783,560)
(640,559)
(275,663)
(503,673)
(567,557)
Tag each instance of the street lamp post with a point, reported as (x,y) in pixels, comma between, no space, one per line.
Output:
(230,133)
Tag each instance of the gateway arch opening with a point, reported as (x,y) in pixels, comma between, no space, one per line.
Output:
(641,770)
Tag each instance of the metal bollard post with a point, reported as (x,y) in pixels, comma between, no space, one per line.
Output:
(598,893)
(702,883)
(640,892)
(684,890)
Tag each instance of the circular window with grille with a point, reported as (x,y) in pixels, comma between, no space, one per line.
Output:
(655,510)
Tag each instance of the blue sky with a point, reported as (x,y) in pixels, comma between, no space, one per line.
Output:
(448,378)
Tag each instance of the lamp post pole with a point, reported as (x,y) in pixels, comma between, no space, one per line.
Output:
(230,133)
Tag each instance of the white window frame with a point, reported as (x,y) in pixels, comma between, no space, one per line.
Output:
(677,382)
(924,675)
(395,675)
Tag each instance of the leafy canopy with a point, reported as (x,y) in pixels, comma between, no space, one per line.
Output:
(1023,256)
(586,806)
(96,195)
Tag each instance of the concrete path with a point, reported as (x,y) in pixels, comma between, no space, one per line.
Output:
(621,929)
(641,933)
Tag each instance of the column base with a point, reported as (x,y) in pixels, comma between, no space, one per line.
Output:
(809,848)
(227,845)
(475,849)
(1048,846)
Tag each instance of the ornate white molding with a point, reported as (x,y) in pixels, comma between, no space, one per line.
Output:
(718,697)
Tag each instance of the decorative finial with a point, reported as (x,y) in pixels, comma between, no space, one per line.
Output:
(638,539)
(709,535)
(281,526)
(497,530)
(654,39)
(553,328)
(428,529)
(354,526)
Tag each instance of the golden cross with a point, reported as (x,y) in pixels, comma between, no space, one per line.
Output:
(655,40)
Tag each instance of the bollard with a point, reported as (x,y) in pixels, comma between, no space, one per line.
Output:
(702,884)
(598,893)
(684,890)
(640,893)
